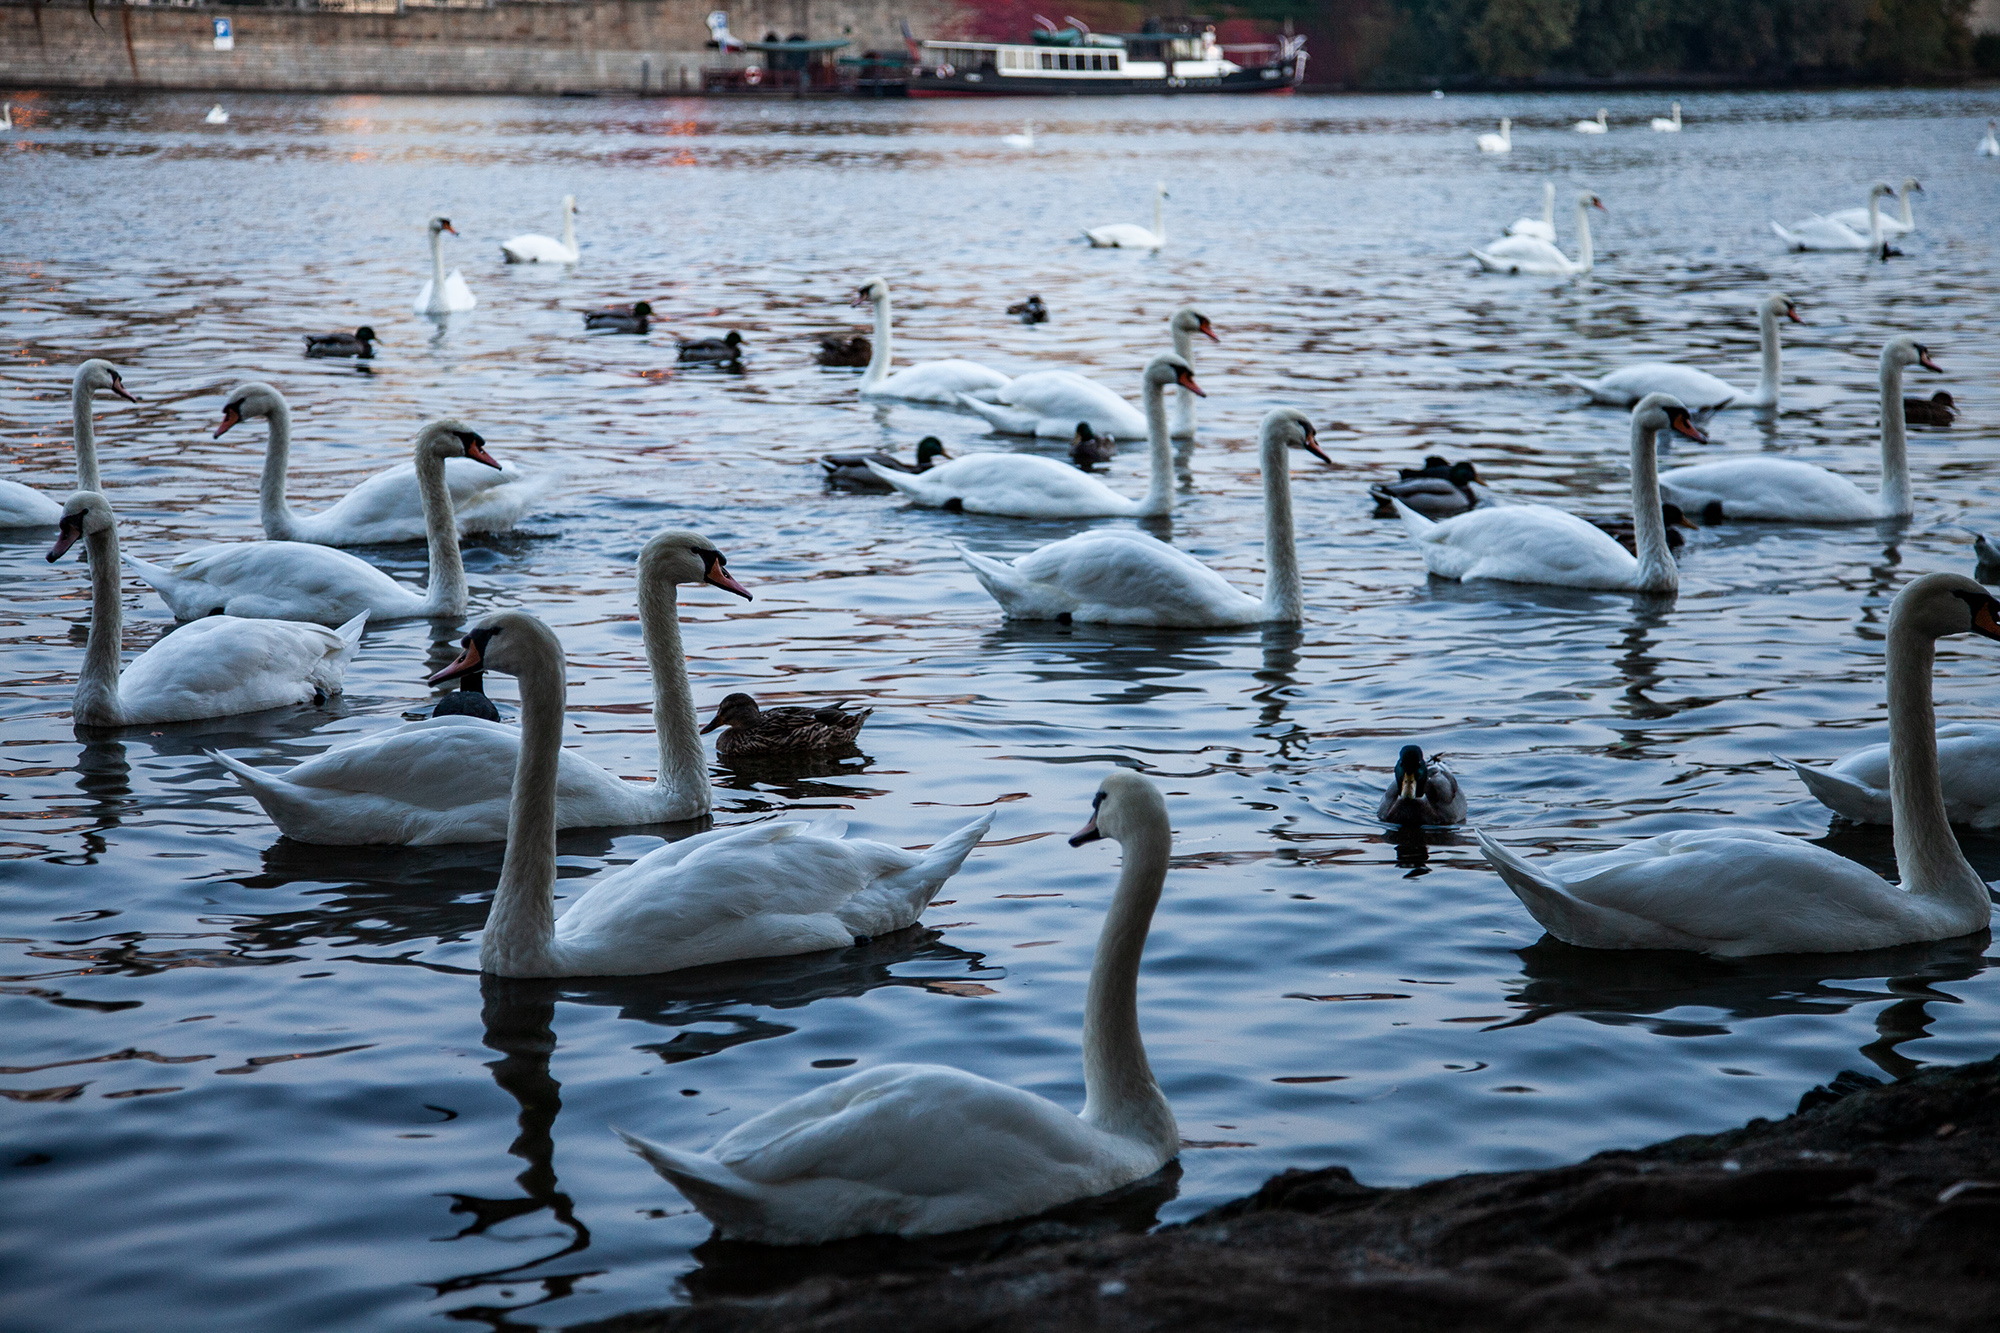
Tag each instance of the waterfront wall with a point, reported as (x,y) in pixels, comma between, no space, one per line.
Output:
(585,46)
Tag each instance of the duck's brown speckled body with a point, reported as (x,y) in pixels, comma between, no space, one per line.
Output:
(774,733)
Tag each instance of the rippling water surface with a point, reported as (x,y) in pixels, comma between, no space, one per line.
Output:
(251,1084)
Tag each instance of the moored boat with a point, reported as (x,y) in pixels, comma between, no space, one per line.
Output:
(1170,55)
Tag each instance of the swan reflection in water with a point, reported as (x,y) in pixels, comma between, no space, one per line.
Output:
(520,1022)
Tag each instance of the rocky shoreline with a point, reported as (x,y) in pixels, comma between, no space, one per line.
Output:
(1873,1208)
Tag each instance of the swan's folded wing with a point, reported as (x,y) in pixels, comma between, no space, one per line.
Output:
(442,763)
(235,665)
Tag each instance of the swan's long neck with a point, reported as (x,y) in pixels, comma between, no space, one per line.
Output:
(521,924)
(276,510)
(1874,221)
(85,435)
(1120,1095)
(1160,215)
(1284,600)
(96,701)
(569,227)
(1585,258)
(1549,204)
(683,766)
(1895,493)
(1657,571)
(1927,854)
(445,595)
(1909,222)
(878,364)
(1767,375)
(1160,489)
(437,271)
(1183,396)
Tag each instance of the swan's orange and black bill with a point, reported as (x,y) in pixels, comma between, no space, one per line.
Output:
(1208,330)
(118,387)
(465,663)
(68,532)
(1312,447)
(720,577)
(475,448)
(1088,833)
(1985,621)
(230,417)
(1185,378)
(1792,309)
(1683,424)
(445,225)
(1924,359)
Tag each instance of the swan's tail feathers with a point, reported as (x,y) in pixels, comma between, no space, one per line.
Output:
(734,1204)
(1004,419)
(1003,583)
(159,577)
(1545,899)
(1588,386)
(1414,523)
(290,808)
(920,883)
(1842,795)
(1786,236)
(350,638)
(903,482)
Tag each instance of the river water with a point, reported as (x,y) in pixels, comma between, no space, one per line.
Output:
(251,1084)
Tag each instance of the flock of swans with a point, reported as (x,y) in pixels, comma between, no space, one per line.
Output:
(910,1149)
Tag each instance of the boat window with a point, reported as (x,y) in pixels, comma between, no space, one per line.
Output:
(1048,61)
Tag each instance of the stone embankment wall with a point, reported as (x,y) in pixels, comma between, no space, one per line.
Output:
(584,46)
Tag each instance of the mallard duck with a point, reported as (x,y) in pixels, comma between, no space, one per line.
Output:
(721,351)
(1089,448)
(1619,527)
(761,733)
(1433,496)
(1031,311)
(1434,466)
(845,349)
(359,343)
(850,471)
(1424,791)
(1936,410)
(468,700)
(634,318)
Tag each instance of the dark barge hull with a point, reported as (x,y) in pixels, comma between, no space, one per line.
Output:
(1264,79)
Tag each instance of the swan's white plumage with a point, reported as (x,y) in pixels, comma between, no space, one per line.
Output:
(1697,388)
(1130,235)
(1049,403)
(1856,785)
(1542,228)
(441,295)
(1114,576)
(1857,220)
(1536,257)
(532,248)
(939,382)
(23,506)
(1503,142)
(1823,233)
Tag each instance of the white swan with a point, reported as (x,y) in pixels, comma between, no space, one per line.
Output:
(1543,544)
(530,248)
(1697,388)
(1990,145)
(1025,139)
(216,667)
(1818,233)
(1669,126)
(1503,142)
(1857,219)
(1532,255)
(216,115)
(1856,785)
(1786,490)
(7,116)
(766,891)
(1741,892)
(1048,404)
(1116,576)
(24,506)
(918,1150)
(385,507)
(1184,324)
(1544,227)
(448,779)
(441,295)
(1130,235)
(1592,126)
(301,581)
(1030,486)
(927,381)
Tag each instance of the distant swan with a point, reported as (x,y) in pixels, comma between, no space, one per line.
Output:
(1820,233)
(24,506)
(1503,142)
(1990,145)
(1697,388)
(1544,227)
(770,890)
(1546,545)
(919,1150)
(387,506)
(1048,404)
(1591,126)
(216,667)
(1857,219)
(1184,323)
(1786,490)
(441,295)
(1116,576)
(531,248)
(301,581)
(1666,126)
(1031,486)
(216,115)
(447,780)
(1130,235)
(1741,892)
(1025,139)
(926,382)
(1536,257)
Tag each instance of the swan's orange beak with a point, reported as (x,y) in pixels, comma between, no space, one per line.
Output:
(230,417)
(1924,360)
(68,531)
(475,449)
(1185,378)
(1312,447)
(1793,311)
(1983,621)
(862,296)
(1684,425)
(720,577)
(118,387)
(1598,204)
(448,227)
(464,664)
(1208,331)
(1088,833)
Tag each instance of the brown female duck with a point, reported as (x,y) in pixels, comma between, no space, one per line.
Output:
(775,733)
